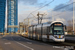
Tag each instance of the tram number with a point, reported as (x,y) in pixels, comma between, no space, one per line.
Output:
(59,36)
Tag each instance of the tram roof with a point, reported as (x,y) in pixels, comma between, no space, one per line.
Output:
(49,23)
(56,21)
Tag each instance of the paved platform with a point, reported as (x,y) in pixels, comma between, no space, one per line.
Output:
(1,48)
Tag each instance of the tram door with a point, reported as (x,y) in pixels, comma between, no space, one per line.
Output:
(48,30)
(36,32)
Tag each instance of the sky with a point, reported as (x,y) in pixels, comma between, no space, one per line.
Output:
(25,7)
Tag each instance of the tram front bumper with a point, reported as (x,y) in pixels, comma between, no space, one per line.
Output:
(59,40)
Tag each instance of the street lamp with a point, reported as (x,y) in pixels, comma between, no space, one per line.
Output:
(73,16)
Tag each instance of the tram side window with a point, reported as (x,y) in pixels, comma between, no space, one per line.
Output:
(44,30)
(39,30)
(29,31)
(33,30)
(50,30)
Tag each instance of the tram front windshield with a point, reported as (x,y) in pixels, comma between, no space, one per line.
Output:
(58,29)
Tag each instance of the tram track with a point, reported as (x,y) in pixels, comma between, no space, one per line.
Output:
(67,43)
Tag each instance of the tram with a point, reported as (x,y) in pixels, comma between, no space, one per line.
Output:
(53,31)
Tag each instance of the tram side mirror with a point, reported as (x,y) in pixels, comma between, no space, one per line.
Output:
(65,29)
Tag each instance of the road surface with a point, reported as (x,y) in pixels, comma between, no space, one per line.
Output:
(16,42)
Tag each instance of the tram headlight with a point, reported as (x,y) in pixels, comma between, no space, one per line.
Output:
(55,36)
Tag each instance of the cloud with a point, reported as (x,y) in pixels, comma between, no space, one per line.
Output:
(57,7)
(30,2)
(64,7)
(70,1)
(61,16)
(65,16)
(60,19)
(64,12)
(37,3)
(24,11)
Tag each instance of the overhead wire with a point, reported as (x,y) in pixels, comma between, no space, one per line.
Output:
(43,6)
(40,8)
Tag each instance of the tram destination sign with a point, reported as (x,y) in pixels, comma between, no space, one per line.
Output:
(58,24)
